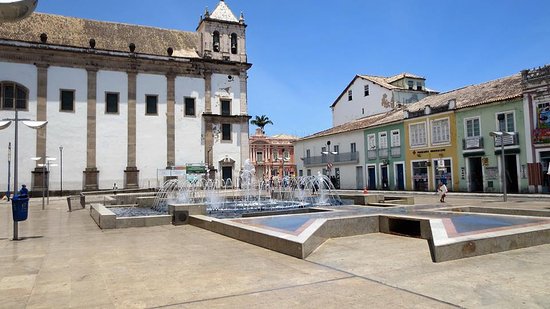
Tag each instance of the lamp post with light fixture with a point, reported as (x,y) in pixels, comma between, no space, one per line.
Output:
(4,123)
(61,170)
(15,10)
(329,155)
(8,193)
(500,134)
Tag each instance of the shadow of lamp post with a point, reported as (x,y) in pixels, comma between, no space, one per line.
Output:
(4,123)
(500,134)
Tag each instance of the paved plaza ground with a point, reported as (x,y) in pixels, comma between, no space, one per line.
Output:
(65,260)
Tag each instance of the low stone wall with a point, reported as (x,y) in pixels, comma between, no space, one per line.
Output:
(106,219)
(103,217)
(146,201)
(193,209)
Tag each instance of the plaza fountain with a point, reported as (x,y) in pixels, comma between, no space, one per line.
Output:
(248,196)
(224,199)
(295,216)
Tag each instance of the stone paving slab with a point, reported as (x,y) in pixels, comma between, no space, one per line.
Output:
(66,261)
(512,279)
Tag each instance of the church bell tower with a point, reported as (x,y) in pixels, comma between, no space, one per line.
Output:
(222,35)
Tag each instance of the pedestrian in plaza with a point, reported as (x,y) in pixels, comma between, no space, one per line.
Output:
(442,189)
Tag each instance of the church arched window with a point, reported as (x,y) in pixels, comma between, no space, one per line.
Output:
(13,95)
(234,45)
(216,41)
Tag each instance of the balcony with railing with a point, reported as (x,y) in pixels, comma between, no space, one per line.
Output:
(395,152)
(471,143)
(346,157)
(372,154)
(383,153)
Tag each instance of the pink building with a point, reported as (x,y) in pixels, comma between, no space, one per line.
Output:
(272,156)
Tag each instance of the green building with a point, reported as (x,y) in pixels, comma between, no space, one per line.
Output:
(384,149)
(483,111)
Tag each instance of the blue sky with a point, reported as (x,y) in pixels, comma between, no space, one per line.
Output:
(305,52)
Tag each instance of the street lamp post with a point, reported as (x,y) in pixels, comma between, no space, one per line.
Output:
(503,164)
(48,165)
(4,123)
(61,170)
(9,170)
(328,153)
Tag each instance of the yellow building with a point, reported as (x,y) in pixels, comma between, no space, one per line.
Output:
(430,135)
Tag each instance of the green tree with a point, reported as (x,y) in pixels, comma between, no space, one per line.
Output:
(261,122)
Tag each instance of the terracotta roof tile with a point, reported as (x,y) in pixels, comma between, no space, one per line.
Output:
(493,91)
(77,32)
(362,123)
(401,76)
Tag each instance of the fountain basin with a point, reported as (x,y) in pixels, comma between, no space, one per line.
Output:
(106,218)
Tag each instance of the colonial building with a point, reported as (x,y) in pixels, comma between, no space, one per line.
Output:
(124,101)
(336,152)
(452,137)
(449,138)
(536,104)
(385,149)
(340,152)
(369,95)
(272,156)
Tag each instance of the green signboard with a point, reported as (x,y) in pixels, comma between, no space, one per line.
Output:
(196,169)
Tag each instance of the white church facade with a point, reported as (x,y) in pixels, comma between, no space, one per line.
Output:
(123,101)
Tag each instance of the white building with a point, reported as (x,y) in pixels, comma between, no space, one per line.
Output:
(124,100)
(338,152)
(369,95)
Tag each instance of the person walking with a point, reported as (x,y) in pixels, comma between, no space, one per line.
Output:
(442,189)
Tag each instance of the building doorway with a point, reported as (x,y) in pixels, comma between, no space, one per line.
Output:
(420,176)
(358,177)
(400,176)
(337,178)
(227,173)
(512,185)
(475,175)
(443,173)
(545,162)
(371,170)
(385,177)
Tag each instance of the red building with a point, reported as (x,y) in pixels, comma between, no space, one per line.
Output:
(272,156)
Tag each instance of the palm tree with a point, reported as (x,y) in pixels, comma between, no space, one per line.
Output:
(261,122)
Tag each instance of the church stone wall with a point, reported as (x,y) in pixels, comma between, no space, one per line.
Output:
(150,129)
(26,75)
(112,129)
(67,129)
(189,134)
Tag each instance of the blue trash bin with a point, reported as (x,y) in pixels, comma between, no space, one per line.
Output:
(20,208)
